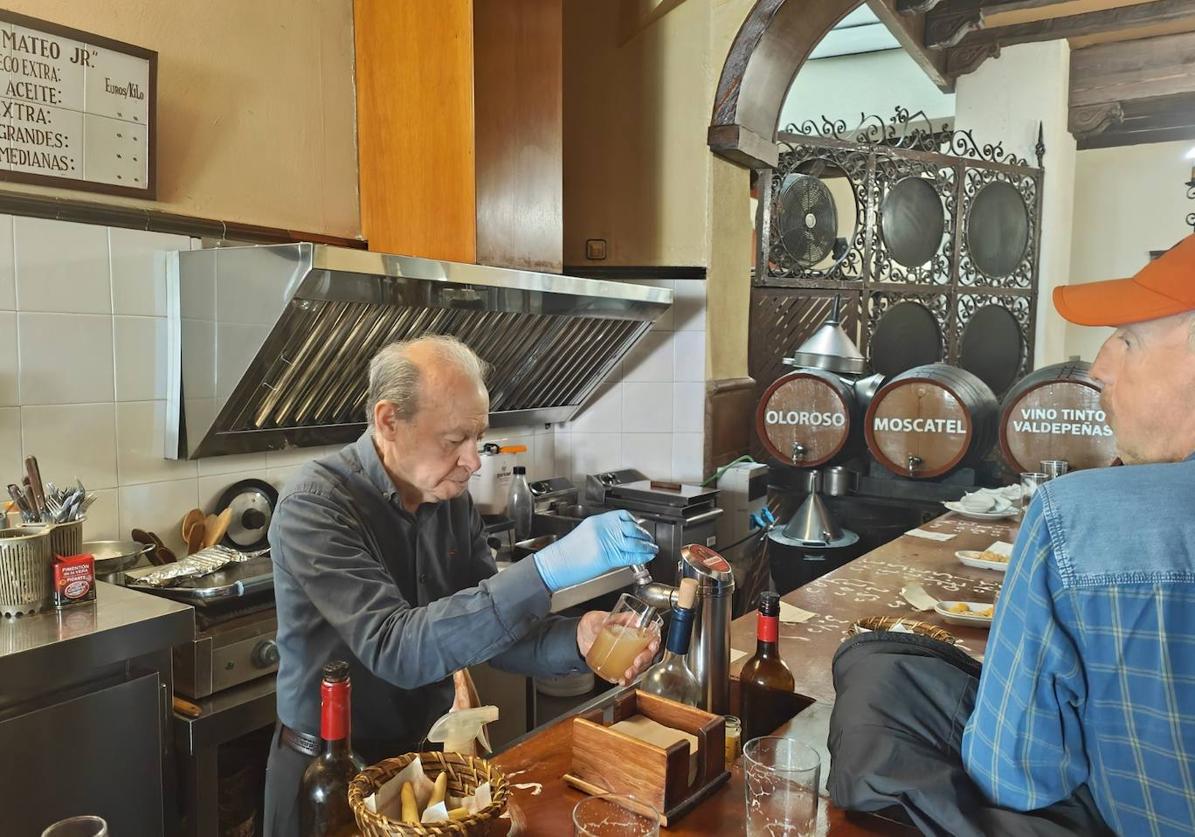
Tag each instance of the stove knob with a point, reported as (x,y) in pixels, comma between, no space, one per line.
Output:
(265,654)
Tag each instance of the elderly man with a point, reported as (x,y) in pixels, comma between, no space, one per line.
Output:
(1089,676)
(380,560)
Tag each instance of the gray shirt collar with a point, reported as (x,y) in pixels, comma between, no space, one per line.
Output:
(372,467)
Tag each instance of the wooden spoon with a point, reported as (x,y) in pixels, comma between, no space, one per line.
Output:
(198,533)
(217,527)
(189,520)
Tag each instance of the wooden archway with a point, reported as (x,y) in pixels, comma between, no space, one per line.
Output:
(770,47)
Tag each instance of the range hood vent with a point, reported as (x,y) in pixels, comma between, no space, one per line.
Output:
(269,346)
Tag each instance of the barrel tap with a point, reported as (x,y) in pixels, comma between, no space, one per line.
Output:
(912,464)
(799,451)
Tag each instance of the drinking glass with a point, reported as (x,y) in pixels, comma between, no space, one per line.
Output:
(1054,468)
(1030,482)
(628,629)
(781,781)
(78,827)
(615,815)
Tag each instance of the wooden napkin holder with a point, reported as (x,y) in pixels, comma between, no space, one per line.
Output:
(609,761)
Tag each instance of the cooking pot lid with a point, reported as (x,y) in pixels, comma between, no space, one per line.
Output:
(252,503)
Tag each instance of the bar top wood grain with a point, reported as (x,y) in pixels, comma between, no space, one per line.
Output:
(870,586)
(541,803)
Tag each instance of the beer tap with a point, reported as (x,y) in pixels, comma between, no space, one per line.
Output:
(912,464)
(709,650)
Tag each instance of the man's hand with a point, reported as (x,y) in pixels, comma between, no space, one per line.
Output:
(587,631)
(599,544)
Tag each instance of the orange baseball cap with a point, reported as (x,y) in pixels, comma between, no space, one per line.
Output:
(1164,287)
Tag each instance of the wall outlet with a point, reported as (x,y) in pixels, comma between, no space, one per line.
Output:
(595,249)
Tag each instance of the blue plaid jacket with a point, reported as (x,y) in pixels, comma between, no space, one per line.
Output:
(1089,675)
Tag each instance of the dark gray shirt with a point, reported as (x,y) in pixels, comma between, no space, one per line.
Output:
(405,599)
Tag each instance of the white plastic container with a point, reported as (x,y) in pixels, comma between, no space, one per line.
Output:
(490,485)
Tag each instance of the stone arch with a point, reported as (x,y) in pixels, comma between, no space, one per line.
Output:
(767,52)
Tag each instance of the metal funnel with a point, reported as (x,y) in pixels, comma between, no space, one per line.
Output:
(813,525)
(830,348)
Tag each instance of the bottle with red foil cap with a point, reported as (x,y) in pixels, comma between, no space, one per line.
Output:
(323,794)
(766,684)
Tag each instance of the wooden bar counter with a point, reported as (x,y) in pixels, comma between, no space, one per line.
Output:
(542,804)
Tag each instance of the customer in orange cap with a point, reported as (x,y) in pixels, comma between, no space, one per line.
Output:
(1089,676)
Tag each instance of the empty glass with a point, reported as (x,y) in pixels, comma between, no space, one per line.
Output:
(781,779)
(615,815)
(1054,468)
(1030,481)
(78,827)
(627,631)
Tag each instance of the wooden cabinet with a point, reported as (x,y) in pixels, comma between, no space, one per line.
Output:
(459,125)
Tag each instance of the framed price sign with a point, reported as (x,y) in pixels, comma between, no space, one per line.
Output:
(78,110)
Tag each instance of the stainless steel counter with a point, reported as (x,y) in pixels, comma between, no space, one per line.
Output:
(83,689)
(120,625)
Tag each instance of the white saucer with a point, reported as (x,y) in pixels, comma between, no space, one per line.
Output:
(995,514)
(969,619)
(971,558)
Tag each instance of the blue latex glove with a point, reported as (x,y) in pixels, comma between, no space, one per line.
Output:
(601,543)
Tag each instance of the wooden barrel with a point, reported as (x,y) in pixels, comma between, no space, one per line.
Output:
(805,417)
(1054,413)
(927,421)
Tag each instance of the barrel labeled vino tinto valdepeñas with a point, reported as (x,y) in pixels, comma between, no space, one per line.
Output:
(1055,413)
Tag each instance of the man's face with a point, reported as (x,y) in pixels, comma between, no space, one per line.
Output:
(434,453)
(1148,373)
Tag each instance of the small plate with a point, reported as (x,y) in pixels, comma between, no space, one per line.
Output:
(971,558)
(992,515)
(970,618)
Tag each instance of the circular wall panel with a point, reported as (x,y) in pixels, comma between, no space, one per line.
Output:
(998,229)
(912,221)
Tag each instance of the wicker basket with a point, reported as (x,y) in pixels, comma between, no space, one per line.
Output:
(24,571)
(887,623)
(465,775)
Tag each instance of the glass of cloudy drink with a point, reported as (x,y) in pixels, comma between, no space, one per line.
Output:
(628,629)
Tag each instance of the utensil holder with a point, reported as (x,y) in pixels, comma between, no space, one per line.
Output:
(24,570)
(65,538)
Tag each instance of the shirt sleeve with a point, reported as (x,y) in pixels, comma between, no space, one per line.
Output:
(1023,744)
(318,544)
(550,648)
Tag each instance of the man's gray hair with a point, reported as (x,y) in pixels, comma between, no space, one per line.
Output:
(394,376)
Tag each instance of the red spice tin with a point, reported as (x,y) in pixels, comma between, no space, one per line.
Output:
(74,580)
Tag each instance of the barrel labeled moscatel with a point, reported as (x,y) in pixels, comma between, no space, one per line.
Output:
(930,420)
(1055,413)
(805,417)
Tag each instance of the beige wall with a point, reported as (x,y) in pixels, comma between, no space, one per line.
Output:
(637,101)
(255,105)
(1128,201)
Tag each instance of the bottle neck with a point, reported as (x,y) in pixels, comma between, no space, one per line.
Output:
(767,633)
(335,715)
(679,631)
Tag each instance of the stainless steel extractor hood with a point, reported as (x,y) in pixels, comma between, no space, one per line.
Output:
(268,346)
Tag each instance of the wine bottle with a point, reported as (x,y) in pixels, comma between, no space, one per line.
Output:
(520,504)
(766,683)
(323,794)
(671,677)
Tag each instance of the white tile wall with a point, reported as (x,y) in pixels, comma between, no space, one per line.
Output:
(650,414)
(82,383)
(83,376)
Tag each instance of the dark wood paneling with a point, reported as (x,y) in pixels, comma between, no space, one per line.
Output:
(1090,23)
(519,139)
(729,416)
(415,152)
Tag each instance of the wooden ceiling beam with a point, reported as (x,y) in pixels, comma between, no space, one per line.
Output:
(1075,26)
(948,22)
(1132,92)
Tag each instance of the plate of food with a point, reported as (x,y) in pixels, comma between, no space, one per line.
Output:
(974,614)
(983,559)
